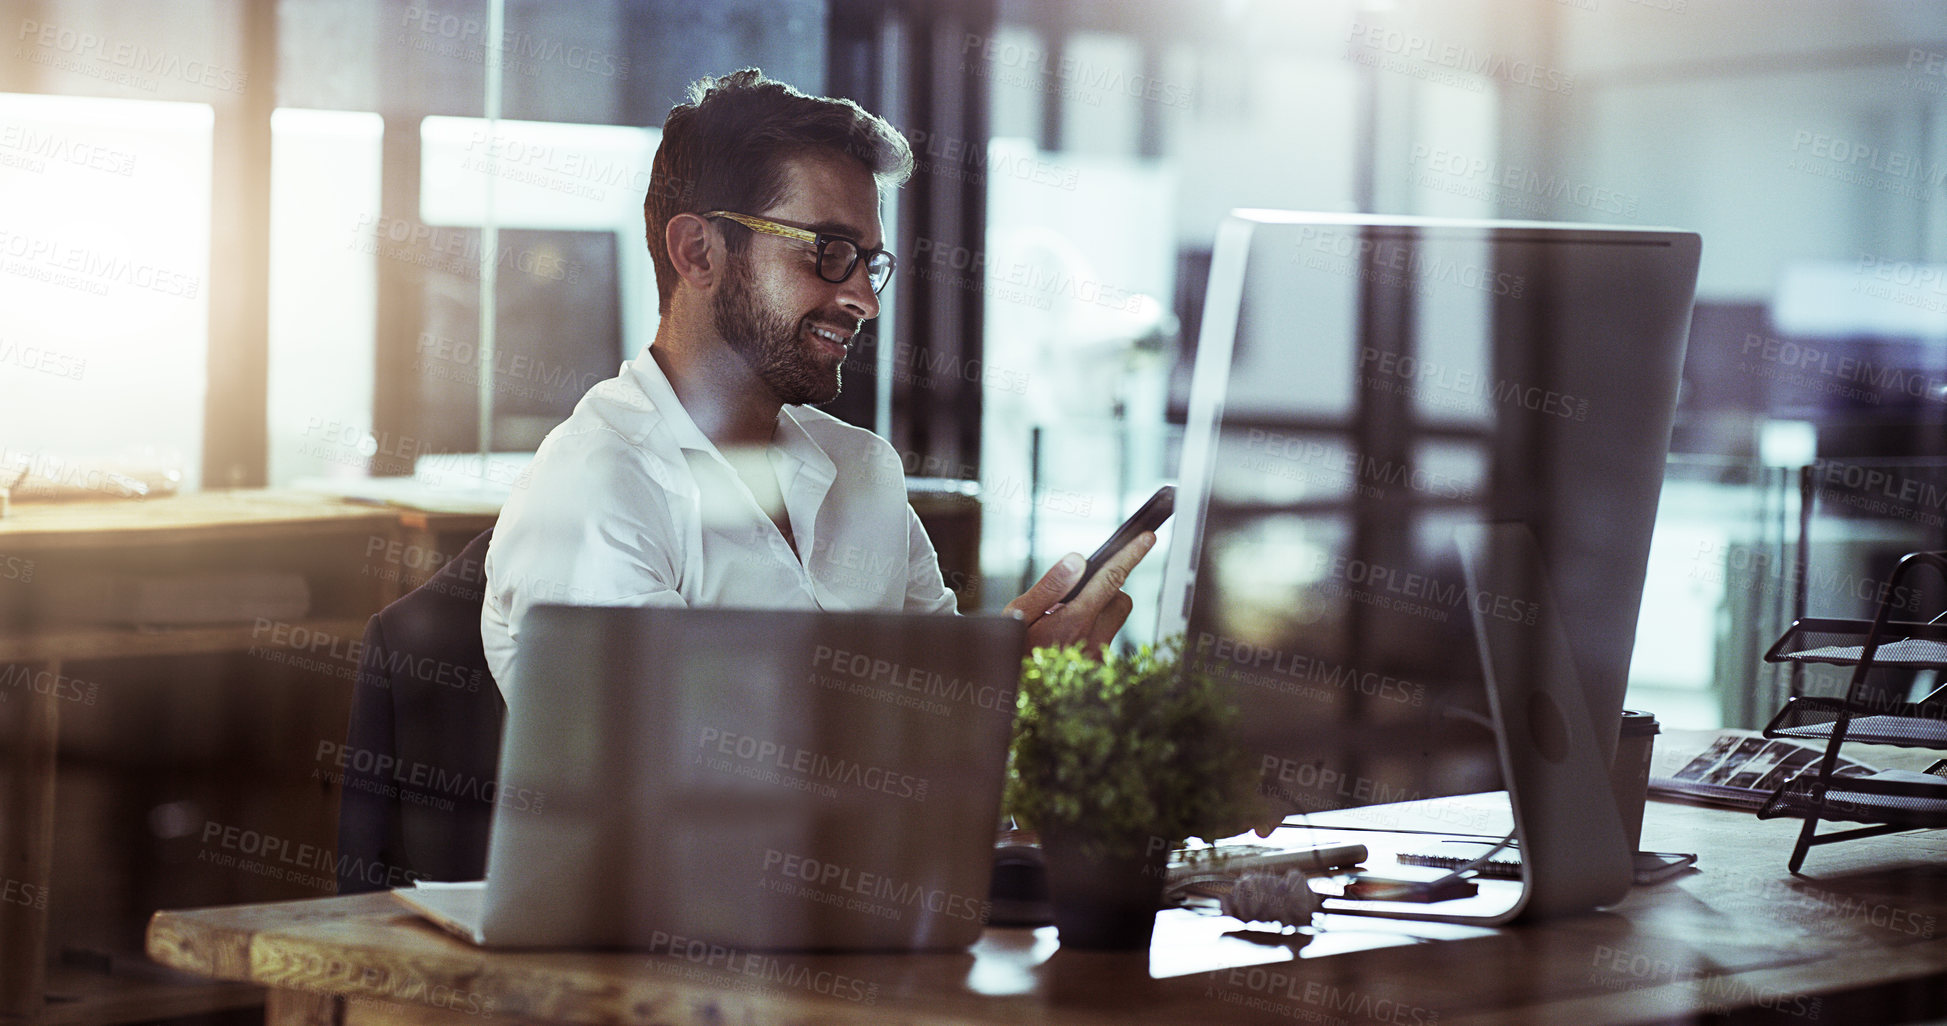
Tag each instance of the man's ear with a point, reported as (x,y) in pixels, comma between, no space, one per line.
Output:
(695,249)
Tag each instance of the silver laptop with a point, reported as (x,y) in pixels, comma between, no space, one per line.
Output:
(761,779)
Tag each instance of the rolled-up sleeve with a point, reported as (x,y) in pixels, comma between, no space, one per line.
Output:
(926,590)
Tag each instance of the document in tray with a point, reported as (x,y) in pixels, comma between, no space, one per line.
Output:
(1737,768)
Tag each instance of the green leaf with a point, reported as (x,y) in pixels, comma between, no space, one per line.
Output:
(1123,749)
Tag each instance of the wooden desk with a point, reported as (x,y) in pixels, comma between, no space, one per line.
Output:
(354,557)
(1861,943)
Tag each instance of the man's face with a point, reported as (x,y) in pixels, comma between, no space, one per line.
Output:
(792,327)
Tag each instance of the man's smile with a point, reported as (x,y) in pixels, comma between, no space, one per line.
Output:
(839,340)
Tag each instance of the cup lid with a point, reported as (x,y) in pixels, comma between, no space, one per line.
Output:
(1636,723)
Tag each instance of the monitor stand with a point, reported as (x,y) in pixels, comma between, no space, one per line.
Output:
(1554,759)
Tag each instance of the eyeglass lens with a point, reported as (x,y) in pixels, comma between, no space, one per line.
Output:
(840,256)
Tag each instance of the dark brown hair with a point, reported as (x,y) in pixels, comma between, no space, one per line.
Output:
(725,150)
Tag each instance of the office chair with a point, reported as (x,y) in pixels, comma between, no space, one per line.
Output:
(423,747)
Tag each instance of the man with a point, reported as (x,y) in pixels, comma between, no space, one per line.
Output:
(699,475)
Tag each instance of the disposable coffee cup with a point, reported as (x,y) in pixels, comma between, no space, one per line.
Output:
(1629,774)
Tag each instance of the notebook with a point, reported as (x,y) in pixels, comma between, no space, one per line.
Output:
(759,779)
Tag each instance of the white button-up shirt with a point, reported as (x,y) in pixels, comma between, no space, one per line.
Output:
(626,503)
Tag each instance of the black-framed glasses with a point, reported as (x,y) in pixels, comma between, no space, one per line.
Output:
(838,256)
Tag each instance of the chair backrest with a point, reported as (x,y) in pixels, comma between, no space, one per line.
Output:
(421,756)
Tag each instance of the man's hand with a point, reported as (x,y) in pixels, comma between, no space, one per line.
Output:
(1096,614)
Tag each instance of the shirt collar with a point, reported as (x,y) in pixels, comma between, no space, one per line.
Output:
(791,438)
(794,441)
(649,374)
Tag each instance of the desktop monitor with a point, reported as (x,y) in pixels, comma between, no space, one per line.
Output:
(557,300)
(1364,388)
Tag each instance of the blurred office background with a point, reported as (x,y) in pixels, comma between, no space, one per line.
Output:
(243,240)
(242,245)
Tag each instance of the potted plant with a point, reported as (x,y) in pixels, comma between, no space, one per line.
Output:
(1115,762)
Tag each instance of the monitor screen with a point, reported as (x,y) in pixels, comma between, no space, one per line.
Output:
(556,298)
(1364,386)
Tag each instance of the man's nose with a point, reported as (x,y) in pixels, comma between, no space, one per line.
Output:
(856,295)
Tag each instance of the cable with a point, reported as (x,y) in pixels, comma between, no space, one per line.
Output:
(1474,864)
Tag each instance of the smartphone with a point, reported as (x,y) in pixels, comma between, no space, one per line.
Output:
(1148,518)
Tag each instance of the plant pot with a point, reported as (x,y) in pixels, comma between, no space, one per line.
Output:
(1106,904)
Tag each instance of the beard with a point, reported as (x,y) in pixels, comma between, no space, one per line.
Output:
(772,344)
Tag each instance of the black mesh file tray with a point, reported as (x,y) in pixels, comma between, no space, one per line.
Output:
(1907,724)
(1816,639)
(1825,791)
(1895,803)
